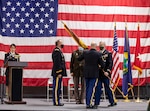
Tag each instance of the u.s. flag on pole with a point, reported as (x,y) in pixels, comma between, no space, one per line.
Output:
(35,25)
(115,76)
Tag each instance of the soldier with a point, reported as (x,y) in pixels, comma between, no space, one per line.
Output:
(58,71)
(10,56)
(107,58)
(91,72)
(76,70)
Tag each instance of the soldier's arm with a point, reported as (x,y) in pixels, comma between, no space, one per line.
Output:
(110,61)
(6,58)
(57,62)
(81,57)
(71,63)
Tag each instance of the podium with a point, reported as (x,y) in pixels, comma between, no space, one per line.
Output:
(15,89)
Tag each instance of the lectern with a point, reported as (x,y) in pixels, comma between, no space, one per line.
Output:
(15,90)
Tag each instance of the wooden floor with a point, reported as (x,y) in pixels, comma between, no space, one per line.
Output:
(43,105)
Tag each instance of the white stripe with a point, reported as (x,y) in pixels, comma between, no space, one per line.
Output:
(46,57)
(47,73)
(37,57)
(42,41)
(82,9)
(144,57)
(87,25)
(135,73)
(39,73)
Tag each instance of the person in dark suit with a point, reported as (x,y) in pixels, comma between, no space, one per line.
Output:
(103,78)
(58,71)
(76,70)
(91,72)
(10,56)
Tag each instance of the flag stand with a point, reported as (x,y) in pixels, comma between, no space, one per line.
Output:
(131,88)
(113,92)
(138,97)
(126,99)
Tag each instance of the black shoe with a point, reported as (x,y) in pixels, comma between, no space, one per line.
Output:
(77,102)
(95,106)
(60,104)
(112,104)
(81,102)
(89,107)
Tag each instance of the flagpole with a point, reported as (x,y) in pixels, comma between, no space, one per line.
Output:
(138,96)
(126,97)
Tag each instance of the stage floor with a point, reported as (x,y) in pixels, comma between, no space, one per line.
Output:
(42,105)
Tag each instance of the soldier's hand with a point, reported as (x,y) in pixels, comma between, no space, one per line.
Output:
(106,74)
(71,74)
(59,76)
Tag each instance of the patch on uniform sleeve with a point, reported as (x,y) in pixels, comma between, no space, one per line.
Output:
(56,49)
(58,71)
(105,56)
(104,59)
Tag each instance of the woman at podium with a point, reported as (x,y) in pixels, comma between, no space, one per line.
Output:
(10,56)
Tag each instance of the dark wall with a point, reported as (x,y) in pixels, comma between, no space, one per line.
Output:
(41,92)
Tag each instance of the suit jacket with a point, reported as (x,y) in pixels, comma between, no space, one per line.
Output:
(76,67)
(107,58)
(92,61)
(59,66)
(9,57)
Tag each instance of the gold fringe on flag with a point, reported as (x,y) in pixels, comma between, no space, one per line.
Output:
(75,37)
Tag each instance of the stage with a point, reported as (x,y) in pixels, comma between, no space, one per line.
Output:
(39,104)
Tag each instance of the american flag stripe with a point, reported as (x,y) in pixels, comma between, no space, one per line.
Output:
(102,9)
(46,73)
(48,64)
(102,33)
(36,56)
(134,3)
(91,25)
(91,21)
(101,17)
(67,49)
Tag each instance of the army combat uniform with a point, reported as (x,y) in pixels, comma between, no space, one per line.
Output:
(58,68)
(107,58)
(76,67)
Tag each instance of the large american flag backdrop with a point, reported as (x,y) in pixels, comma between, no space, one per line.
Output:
(35,25)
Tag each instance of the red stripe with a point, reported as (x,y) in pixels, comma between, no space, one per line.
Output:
(135,81)
(66,49)
(48,65)
(43,81)
(102,17)
(40,65)
(103,33)
(135,3)
(43,65)
(40,81)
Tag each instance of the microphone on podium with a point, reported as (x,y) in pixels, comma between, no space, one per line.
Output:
(17,57)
